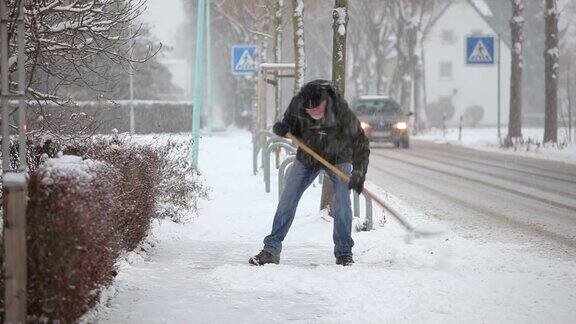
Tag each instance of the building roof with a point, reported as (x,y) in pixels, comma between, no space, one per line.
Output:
(496,19)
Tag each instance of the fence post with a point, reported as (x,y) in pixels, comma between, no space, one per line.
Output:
(14,183)
(460,128)
(356,203)
(14,205)
(369,223)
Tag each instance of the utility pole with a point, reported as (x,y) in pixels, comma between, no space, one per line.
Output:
(197,102)
(131,80)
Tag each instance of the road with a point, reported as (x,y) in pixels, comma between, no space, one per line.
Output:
(483,195)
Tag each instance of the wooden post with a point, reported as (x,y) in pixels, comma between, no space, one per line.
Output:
(14,183)
(15,247)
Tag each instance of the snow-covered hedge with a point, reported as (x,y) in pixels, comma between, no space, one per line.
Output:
(72,236)
(87,204)
(136,188)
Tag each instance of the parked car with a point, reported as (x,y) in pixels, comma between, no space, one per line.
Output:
(383,120)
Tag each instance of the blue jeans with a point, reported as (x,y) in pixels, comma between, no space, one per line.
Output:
(297,180)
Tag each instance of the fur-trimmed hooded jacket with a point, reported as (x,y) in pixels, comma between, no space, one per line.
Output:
(337,137)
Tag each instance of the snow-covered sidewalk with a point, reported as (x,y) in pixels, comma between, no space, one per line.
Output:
(199,272)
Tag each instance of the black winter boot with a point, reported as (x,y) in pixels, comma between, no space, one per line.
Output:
(263,258)
(345,260)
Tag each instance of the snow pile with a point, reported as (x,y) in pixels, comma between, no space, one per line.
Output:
(70,166)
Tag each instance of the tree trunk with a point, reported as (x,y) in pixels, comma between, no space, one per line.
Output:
(277,58)
(278,53)
(517,31)
(418,103)
(299,53)
(339,25)
(551,57)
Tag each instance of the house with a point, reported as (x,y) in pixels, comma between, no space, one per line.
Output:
(455,88)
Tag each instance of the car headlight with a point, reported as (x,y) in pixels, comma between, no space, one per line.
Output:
(364,125)
(401,125)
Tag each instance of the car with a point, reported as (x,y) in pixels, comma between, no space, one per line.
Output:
(383,120)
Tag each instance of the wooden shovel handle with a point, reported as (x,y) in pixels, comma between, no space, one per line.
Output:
(346,177)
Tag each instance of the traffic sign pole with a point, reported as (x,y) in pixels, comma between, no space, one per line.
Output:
(480,52)
(197,102)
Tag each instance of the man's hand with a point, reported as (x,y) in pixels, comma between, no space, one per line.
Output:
(281,128)
(356,182)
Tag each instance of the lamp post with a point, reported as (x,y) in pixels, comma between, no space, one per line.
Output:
(209,99)
(197,102)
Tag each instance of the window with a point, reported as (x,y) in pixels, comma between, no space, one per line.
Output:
(445,70)
(448,36)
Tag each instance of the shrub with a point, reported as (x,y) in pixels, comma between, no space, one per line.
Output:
(179,186)
(473,115)
(436,110)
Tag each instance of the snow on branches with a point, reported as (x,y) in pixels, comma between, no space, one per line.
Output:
(74,42)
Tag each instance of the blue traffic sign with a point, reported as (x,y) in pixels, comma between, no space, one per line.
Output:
(243,61)
(480,50)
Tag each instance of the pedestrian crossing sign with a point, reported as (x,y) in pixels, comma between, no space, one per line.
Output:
(480,50)
(243,61)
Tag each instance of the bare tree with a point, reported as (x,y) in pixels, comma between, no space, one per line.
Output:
(246,22)
(75,43)
(299,49)
(371,46)
(70,45)
(551,56)
(517,32)
(568,50)
(412,19)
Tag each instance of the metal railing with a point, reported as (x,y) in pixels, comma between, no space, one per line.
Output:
(256,139)
(282,171)
(273,142)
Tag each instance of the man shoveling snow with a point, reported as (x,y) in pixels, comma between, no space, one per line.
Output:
(320,117)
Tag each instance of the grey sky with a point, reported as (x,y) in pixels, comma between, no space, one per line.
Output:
(164,17)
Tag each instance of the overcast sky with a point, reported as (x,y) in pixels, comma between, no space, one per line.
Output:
(164,17)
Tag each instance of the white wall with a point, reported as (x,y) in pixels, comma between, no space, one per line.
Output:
(470,85)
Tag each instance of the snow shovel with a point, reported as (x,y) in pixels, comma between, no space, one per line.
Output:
(412,231)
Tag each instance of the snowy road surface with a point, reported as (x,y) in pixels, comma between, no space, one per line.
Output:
(485,195)
(198,272)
